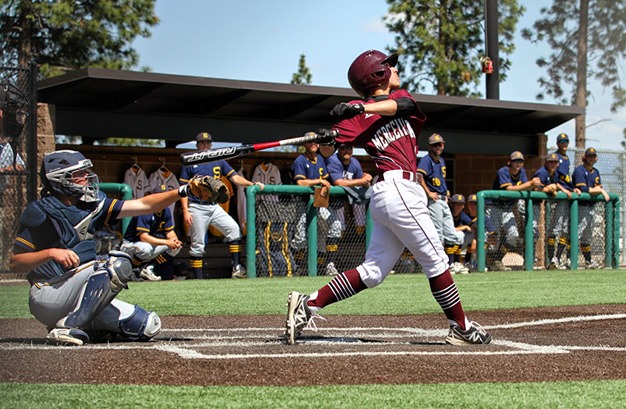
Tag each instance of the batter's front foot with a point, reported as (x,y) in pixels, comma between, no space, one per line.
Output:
(475,334)
(298,316)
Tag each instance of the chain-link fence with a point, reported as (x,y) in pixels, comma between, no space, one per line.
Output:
(292,236)
(18,152)
(553,232)
(506,236)
(612,167)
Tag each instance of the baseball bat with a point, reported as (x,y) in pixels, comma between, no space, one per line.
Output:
(229,152)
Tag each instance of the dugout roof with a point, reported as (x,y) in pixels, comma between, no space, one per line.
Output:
(101,103)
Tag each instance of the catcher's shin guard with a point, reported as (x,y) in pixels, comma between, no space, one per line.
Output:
(95,295)
(140,325)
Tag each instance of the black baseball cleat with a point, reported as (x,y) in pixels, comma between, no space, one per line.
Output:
(475,334)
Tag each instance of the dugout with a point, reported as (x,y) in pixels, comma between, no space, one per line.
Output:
(100,103)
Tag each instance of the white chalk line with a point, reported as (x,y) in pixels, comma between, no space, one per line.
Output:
(184,350)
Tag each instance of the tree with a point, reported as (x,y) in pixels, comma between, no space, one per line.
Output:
(66,35)
(303,76)
(587,42)
(441,42)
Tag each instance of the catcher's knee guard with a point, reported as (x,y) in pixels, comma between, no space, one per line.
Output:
(120,269)
(141,325)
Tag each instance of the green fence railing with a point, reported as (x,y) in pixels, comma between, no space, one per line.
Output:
(612,224)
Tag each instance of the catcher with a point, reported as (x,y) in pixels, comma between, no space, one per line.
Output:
(73,289)
(201,211)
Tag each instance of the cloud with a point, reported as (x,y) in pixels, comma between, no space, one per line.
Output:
(374,26)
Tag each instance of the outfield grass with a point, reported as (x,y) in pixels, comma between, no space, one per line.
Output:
(399,294)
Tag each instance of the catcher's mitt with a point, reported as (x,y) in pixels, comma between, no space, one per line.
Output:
(208,189)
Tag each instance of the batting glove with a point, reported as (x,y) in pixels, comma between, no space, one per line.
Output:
(346,110)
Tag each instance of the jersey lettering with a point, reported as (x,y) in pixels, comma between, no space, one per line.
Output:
(394,130)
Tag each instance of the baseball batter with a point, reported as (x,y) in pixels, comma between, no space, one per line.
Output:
(72,289)
(198,215)
(587,178)
(386,123)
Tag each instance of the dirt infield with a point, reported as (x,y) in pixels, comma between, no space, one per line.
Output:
(541,344)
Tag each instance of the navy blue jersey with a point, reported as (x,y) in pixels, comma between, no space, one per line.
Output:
(42,234)
(545,178)
(157,224)
(304,168)
(583,179)
(462,219)
(217,169)
(504,178)
(562,172)
(434,174)
(48,223)
(337,170)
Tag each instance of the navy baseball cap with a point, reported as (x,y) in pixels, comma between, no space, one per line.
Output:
(591,152)
(552,157)
(472,198)
(204,136)
(457,198)
(435,138)
(562,137)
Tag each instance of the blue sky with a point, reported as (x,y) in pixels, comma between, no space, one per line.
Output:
(263,40)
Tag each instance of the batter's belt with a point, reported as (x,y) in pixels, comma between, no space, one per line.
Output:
(400,174)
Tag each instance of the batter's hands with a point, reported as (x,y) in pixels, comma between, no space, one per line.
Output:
(66,258)
(346,110)
(327,136)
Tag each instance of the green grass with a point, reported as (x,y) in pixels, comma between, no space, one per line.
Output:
(399,294)
(596,394)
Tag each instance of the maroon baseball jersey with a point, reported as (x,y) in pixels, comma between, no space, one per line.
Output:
(390,141)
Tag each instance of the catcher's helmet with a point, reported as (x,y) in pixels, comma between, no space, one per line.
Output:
(14,105)
(61,170)
(369,70)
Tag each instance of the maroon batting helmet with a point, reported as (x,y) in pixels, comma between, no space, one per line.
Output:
(369,70)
